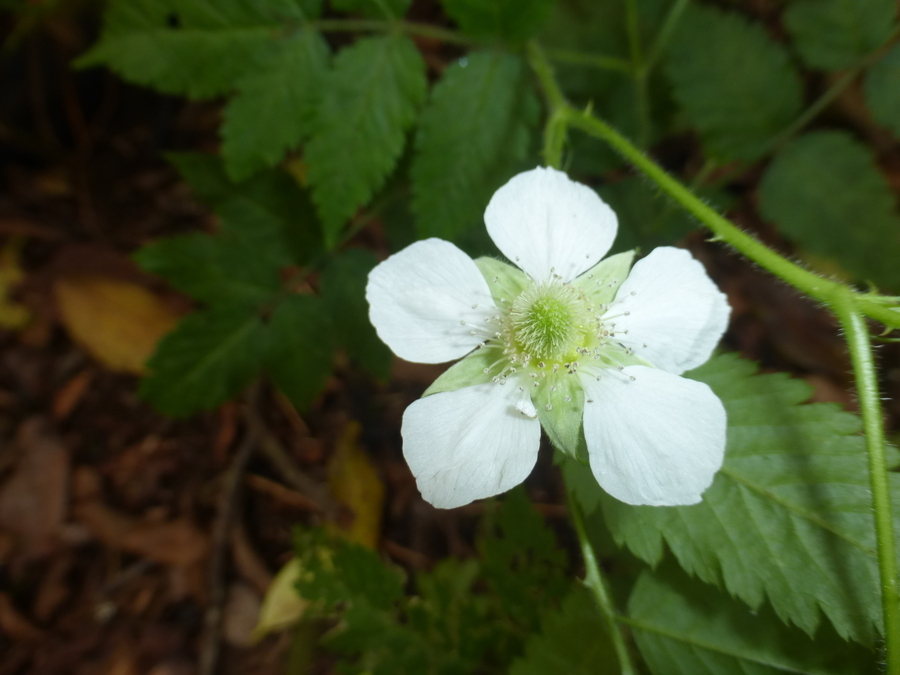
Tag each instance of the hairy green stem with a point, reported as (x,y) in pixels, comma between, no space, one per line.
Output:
(596,584)
(849,306)
(857,335)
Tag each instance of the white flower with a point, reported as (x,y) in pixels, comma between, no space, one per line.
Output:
(568,342)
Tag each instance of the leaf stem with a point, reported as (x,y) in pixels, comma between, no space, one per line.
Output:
(598,61)
(384,26)
(665,33)
(856,333)
(639,72)
(596,584)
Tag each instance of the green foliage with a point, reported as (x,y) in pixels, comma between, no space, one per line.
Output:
(473,135)
(572,640)
(343,284)
(787,518)
(209,358)
(513,20)
(368,106)
(275,105)
(198,48)
(834,34)
(882,87)
(379,9)
(734,84)
(299,348)
(684,627)
(825,191)
(466,616)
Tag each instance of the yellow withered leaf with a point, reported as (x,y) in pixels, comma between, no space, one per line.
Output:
(282,607)
(355,484)
(117,322)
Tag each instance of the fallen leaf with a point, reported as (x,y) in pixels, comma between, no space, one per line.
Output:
(34,501)
(118,322)
(355,484)
(241,614)
(15,625)
(282,606)
(70,395)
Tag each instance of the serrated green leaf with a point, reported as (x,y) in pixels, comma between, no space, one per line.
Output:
(882,89)
(514,20)
(787,518)
(825,191)
(198,48)
(377,9)
(370,103)
(209,358)
(268,205)
(275,105)
(343,290)
(684,627)
(298,350)
(473,134)
(834,34)
(573,640)
(732,81)
(214,269)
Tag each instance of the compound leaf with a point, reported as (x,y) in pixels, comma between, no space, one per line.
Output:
(732,81)
(825,191)
(369,104)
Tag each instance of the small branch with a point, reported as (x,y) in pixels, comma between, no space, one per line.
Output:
(857,336)
(595,582)
(211,640)
(599,61)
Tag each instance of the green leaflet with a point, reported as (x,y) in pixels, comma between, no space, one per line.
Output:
(299,348)
(198,48)
(834,34)
(513,20)
(882,87)
(343,290)
(573,640)
(732,81)
(788,517)
(473,134)
(825,190)
(370,102)
(209,358)
(276,103)
(684,627)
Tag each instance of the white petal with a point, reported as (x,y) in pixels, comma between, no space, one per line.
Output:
(657,440)
(421,302)
(676,314)
(469,444)
(542,221)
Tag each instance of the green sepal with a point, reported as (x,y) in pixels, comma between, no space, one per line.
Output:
(563,421)
(603,280)
(505,281)
(466,373)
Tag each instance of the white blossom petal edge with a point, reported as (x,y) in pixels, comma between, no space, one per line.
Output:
(570,325)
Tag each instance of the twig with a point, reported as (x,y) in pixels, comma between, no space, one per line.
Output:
(211,639)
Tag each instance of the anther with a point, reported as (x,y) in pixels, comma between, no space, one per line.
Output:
(567,398)
(632,378)
(463,322)
(549,406)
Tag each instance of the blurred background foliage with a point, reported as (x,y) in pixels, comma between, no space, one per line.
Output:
(347,130)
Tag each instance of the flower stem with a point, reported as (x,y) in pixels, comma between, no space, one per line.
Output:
(857,335)
(596,584)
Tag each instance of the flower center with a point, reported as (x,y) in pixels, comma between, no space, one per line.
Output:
(549,321)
